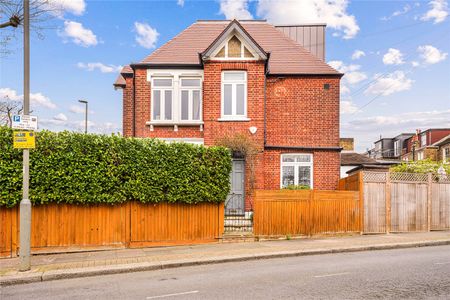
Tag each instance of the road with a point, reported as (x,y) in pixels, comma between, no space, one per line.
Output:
(418,273)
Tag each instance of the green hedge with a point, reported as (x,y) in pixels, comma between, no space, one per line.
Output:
(421,166)
(76,168)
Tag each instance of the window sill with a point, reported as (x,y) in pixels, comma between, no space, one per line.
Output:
(171,123)
(234,119)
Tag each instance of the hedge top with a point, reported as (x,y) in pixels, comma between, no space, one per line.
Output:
(75,168)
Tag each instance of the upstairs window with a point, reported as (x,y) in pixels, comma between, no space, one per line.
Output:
(191,103)
(234,95)
(162,99)
(423,140)
(296,169)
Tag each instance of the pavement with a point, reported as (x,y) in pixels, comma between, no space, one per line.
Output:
(84,264)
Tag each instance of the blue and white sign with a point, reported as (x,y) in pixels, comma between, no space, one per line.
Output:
(24,122)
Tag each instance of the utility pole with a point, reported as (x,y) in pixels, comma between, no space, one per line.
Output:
(85,114)
(25,204)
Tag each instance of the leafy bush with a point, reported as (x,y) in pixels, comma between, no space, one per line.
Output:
(296,187)
(421,166)
(77,168)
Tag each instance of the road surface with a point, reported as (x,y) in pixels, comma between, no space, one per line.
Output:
(418,273)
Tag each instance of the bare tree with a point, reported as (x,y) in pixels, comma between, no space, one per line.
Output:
(11,19)
(8,108)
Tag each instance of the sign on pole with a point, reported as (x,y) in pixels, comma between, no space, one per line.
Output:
(24,139)
(24,122)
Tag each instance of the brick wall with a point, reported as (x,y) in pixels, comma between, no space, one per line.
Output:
(215,129)
(301,112)
(326,168)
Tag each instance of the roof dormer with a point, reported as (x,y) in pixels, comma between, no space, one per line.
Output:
(234,43)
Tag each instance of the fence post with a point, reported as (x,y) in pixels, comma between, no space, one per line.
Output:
(388,202)
(310,213)
(361,200)
(429,195)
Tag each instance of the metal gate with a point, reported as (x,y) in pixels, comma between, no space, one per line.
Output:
(235,203)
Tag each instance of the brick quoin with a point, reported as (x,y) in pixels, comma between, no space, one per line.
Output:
(301,111)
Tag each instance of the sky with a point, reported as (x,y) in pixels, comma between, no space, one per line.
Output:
(394,55)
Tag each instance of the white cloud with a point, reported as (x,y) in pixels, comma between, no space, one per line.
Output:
(357,54)
(348,107)
(36,99)
(180,3)
(393,57)
(344,89)
(352,73)
(397,13)
(438,12)
(76,109)
(235,9)
(76,7)
(332,12)
(146,35)
(79,35)
(392,83)
(60,117)
(415,64)
(404,121)
(100,66)
(431,55)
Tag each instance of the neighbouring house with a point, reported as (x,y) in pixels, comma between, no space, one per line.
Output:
(220,79)
(422,145)
(390,148)
(443,149)
(352,162)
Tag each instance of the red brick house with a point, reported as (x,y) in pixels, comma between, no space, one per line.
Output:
(223,78)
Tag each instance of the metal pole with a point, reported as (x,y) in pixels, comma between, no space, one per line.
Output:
(25,204)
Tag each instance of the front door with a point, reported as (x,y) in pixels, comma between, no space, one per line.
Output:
(234,205)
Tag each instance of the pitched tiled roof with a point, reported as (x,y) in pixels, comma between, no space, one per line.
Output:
(286,56)
(353,159)
(120,81)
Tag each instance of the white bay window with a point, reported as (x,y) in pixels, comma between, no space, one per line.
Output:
(296,169)
(234,95)
(176,97)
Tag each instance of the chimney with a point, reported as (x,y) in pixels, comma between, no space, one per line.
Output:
(310,36)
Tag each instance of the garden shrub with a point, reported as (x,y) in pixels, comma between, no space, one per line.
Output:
(75,168)
(421,166)
(296,187)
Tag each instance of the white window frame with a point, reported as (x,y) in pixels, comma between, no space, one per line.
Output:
(446,158)
(162,103)
(296,165)
(396,148)
(190,90)
(176,75)
(234,83)
(423,140)
(420,155)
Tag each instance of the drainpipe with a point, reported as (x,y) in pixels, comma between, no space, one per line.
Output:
(266,71)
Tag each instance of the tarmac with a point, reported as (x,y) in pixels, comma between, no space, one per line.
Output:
(46,267)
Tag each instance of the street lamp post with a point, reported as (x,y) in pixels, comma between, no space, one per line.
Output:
(25,204)
(85,114)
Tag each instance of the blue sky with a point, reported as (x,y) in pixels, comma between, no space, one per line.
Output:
(394,54)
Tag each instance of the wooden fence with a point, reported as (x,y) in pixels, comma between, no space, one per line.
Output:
(306,212)
(402,202)
(57,227)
